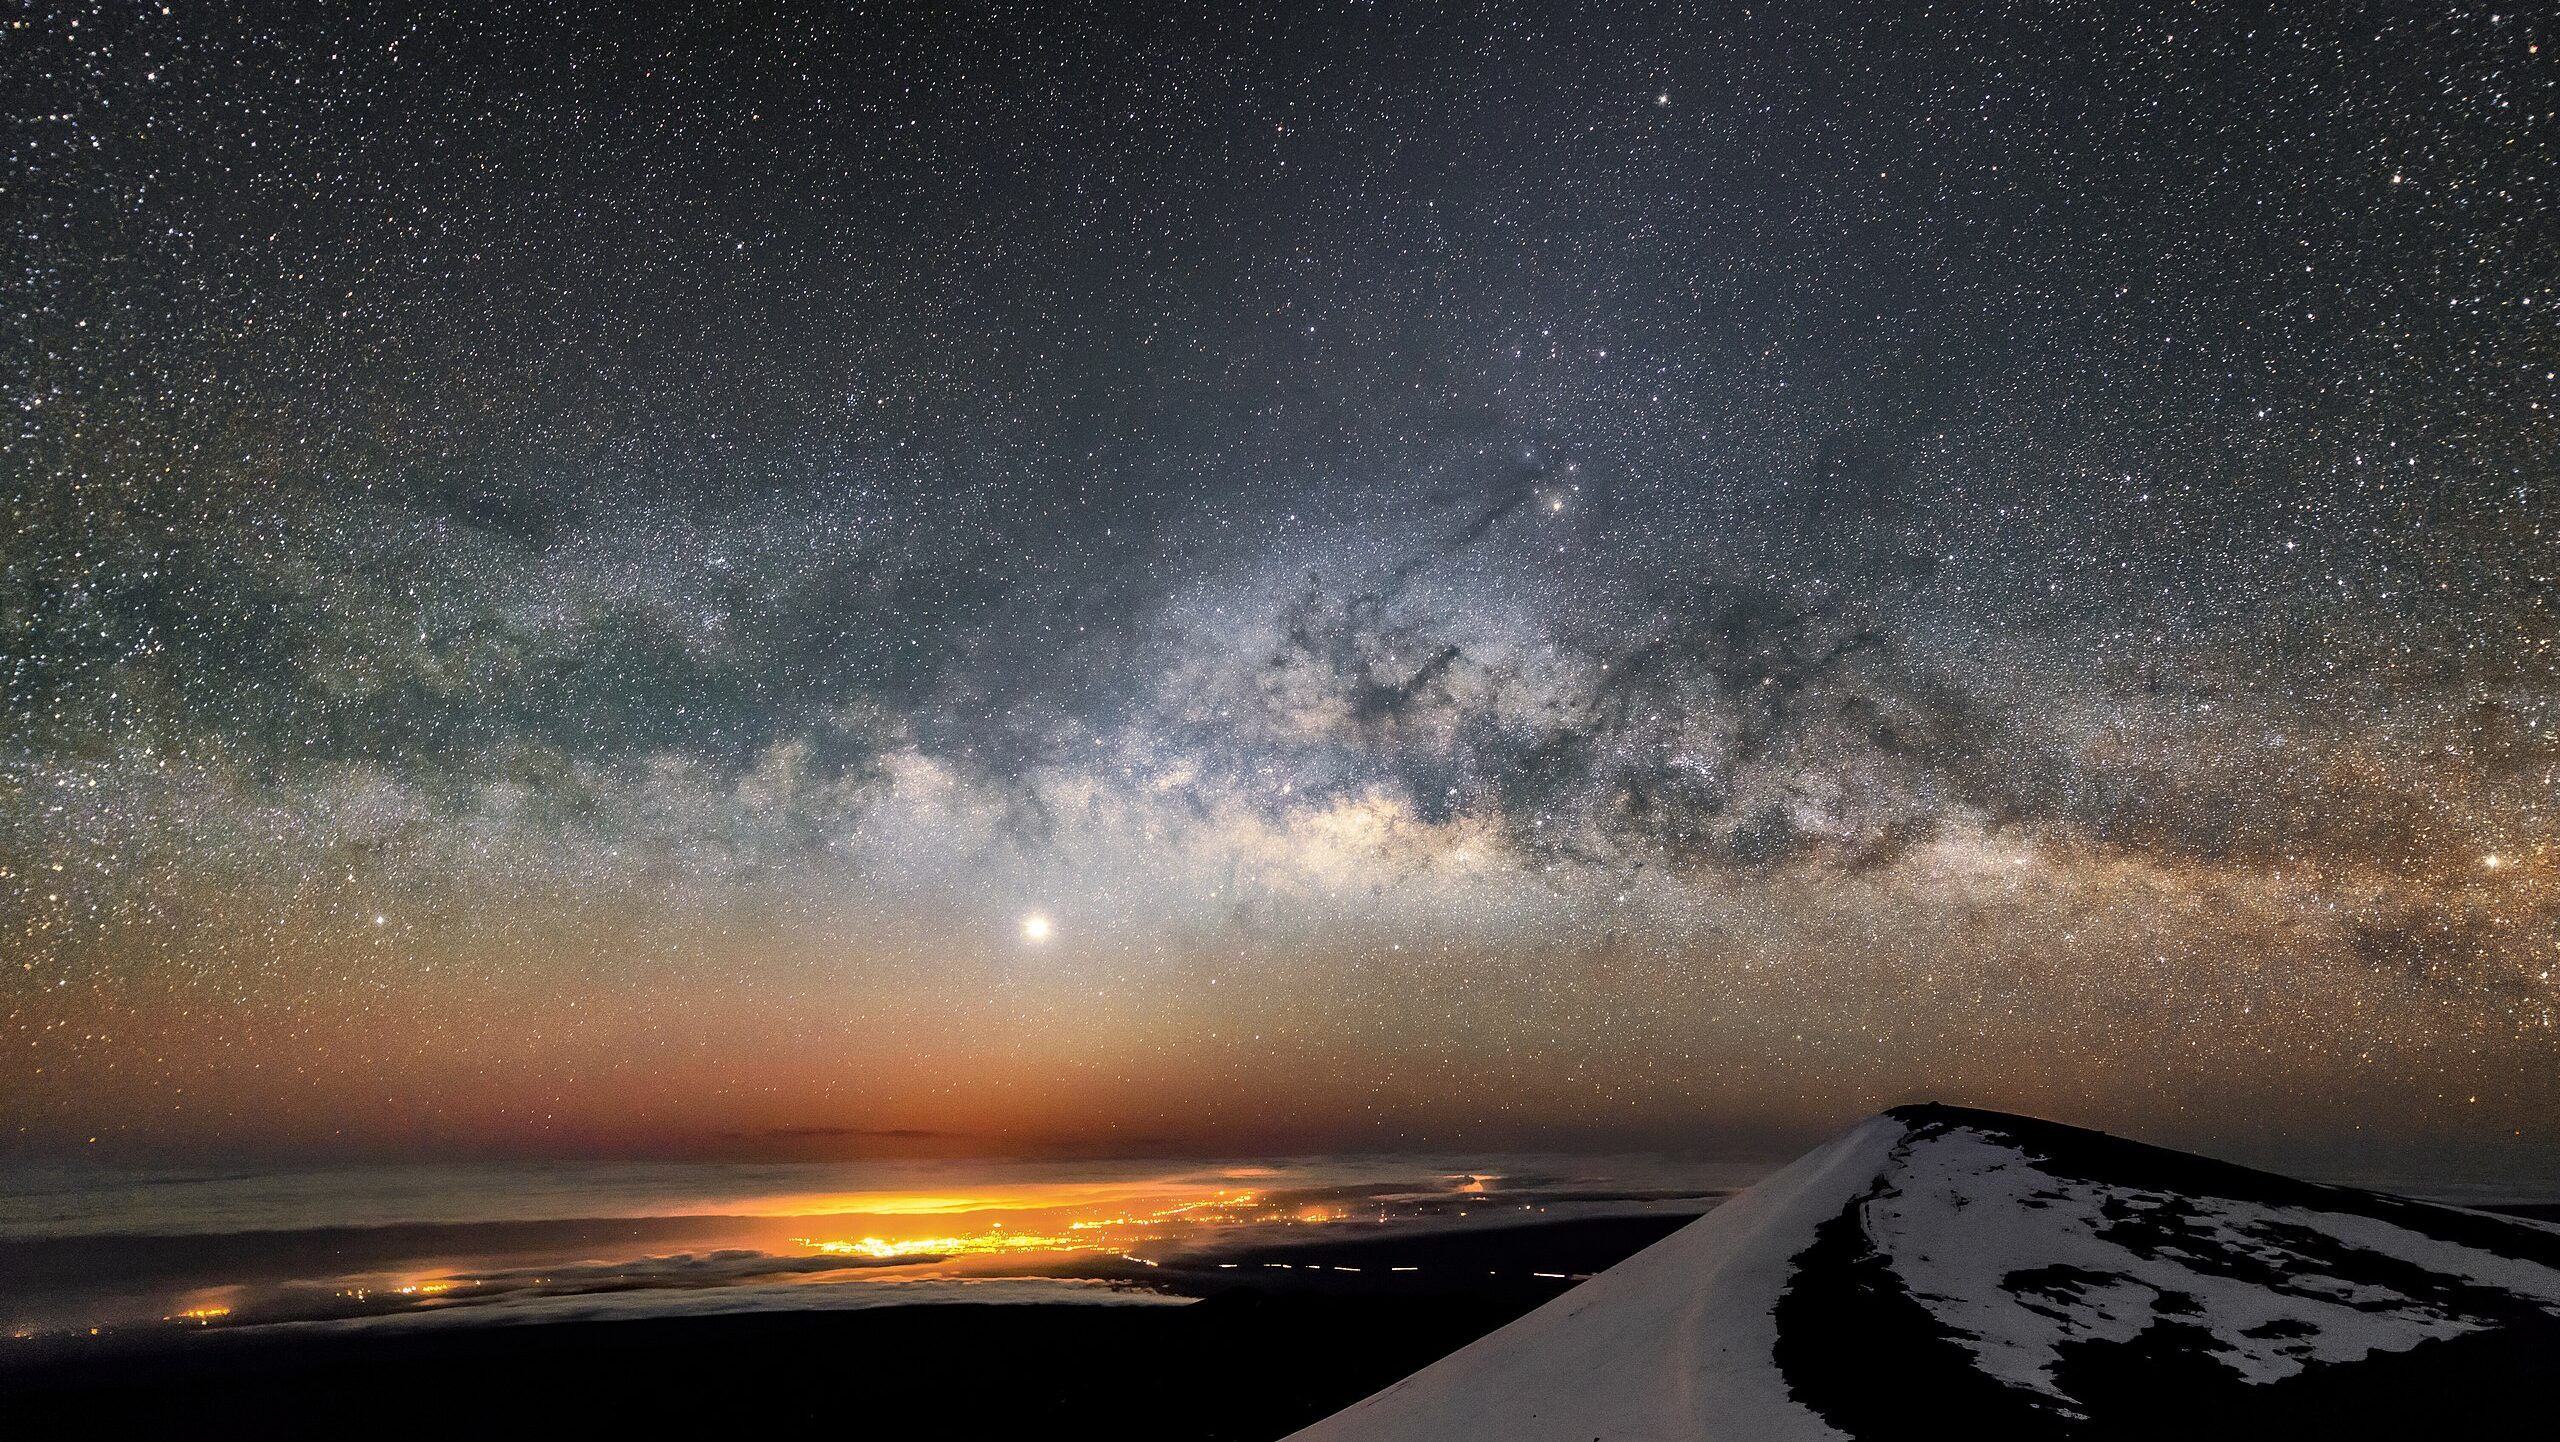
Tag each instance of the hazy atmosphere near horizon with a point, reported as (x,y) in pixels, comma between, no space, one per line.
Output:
(1277,581)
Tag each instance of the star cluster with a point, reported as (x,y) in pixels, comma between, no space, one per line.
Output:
(1057,578)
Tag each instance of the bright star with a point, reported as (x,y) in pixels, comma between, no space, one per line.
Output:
(1035,927)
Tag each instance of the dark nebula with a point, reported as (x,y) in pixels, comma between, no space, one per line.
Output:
(1504,575)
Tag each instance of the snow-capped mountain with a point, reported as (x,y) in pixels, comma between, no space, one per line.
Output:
(1938,1271)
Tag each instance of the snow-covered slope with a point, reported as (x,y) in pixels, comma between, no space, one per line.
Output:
(1936,1268)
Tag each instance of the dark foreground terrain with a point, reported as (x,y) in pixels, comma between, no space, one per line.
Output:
(1265,1352)
(1286,1335)
(1245,1365)
(2137,1354)
(1938,1271)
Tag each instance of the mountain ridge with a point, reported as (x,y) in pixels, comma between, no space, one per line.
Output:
(1939,1266)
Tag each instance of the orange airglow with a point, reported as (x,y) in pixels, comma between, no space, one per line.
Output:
(1096,1230)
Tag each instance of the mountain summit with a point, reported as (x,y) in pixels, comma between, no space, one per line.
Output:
(1938,1271)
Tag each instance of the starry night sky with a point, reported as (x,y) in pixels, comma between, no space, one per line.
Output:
(1597,577)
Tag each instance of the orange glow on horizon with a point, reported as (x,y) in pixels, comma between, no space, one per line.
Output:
(1114,1232)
